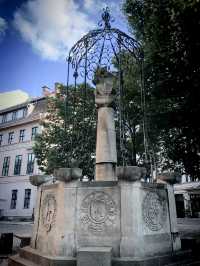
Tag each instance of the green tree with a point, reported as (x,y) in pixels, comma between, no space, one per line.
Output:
(133,147)
(69,131)
(132,111)
(168,31)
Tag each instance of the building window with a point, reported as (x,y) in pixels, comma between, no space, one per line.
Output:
(6,164)
(4,118)
(27,198)
(24,112)
(20,113)
(21,135)
(13,199)
(30,163)
(14,115)
(1,139)
(18,163)
(34,132)
(10,137)
(9,117)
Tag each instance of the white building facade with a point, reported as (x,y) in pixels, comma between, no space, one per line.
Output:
(19,125)
(187,197)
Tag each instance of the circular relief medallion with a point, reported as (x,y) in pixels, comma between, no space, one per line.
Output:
(154,211)
(98,211)
(49,207)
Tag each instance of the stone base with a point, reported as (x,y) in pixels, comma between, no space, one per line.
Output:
(135,219)
(30,257)
(97,256)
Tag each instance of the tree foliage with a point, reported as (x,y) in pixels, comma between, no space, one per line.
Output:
(132,112)
(168,30)
(69,131)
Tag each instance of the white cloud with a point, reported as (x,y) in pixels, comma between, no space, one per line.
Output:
(89,4)
(3,28)
(52,27)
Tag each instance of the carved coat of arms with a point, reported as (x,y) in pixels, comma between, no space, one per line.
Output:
(49,208)
(154,211)
(98,212)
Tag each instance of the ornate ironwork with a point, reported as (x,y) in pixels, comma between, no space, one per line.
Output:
(104,47)
(100,46)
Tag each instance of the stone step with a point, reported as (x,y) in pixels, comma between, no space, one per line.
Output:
(16,260)
(31,257)
(188,262)
(165,260)
(30,254)
(36,257)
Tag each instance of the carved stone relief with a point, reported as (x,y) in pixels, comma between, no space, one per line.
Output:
(98,212)
(154,211)
(49,209)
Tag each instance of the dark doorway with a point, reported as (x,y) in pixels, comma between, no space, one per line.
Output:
(195,205)
(180,206)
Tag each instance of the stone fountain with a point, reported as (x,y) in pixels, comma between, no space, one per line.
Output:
(114,220)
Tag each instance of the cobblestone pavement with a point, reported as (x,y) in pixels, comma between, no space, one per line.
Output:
(186,227)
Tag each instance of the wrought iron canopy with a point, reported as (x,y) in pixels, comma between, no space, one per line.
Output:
(110,48)
(100,47)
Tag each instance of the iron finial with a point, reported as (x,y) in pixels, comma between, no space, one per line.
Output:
(106,18)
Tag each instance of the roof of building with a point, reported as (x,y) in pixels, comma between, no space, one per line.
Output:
(21,105)
(187,186)
(38,107)
(12,98)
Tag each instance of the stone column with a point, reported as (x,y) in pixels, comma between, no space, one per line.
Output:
(176,242)
(106,154)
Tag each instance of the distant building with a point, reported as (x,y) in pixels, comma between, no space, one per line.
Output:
(187,197)
(19,125)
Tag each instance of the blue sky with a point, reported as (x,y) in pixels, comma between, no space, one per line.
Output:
(36,35)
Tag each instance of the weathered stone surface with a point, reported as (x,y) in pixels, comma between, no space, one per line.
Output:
(37,180)
(106,153)
(98,216)
(105,93)
(130,173)
(97,256)
(145,226)
(72,215)
(106,136)
(133,218)
(176,242)
(67,174)
(32,257)
(53,233)
(105,171)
